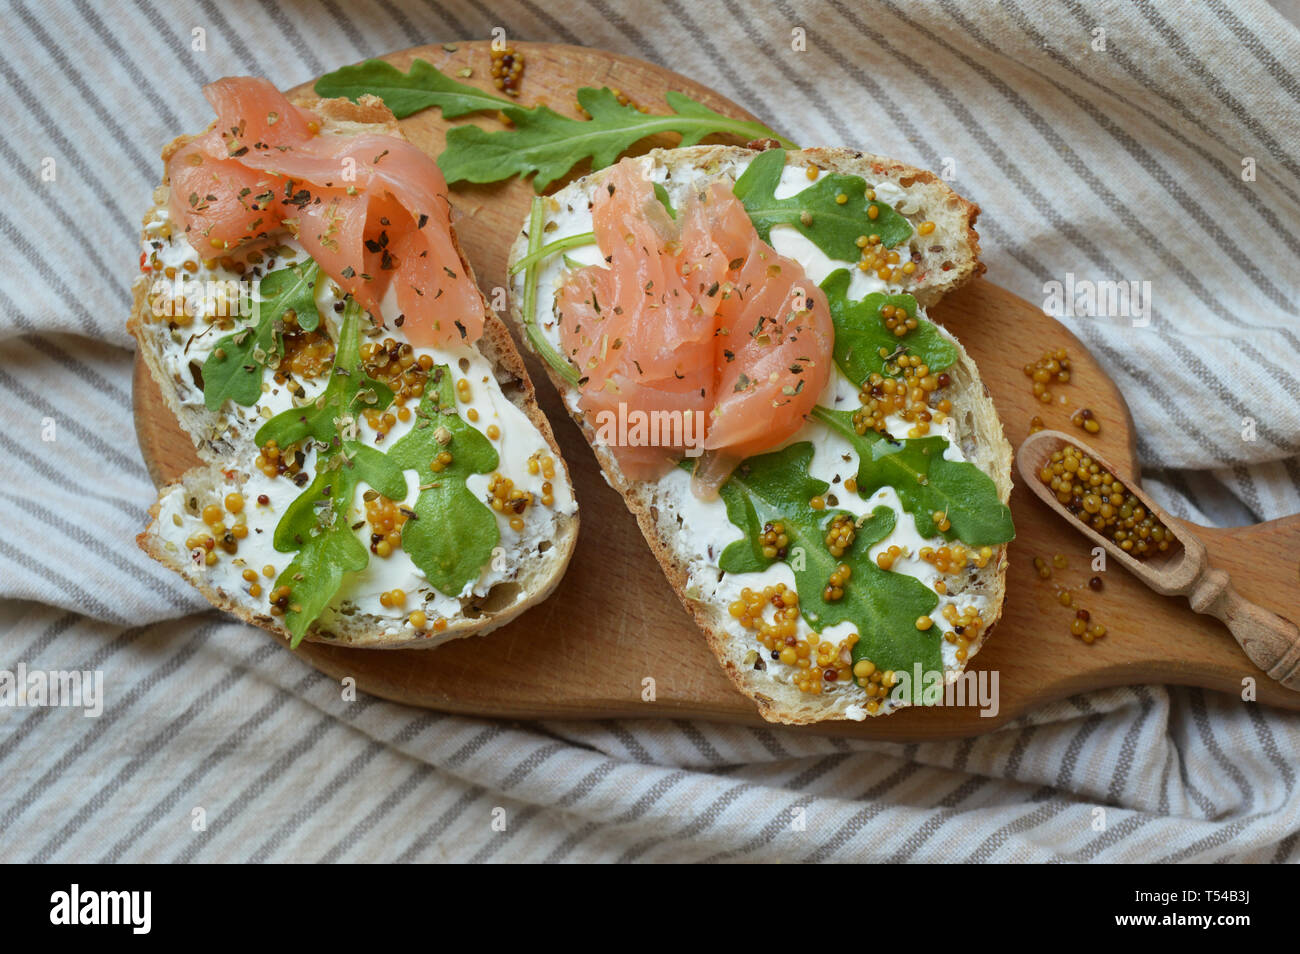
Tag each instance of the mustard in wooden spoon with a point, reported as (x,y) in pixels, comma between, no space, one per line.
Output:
(1160,552)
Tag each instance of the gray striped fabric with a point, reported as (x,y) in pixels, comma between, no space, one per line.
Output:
(1124,163)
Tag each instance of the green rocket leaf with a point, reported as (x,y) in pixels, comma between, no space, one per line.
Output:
(292,289)
(544,143)
(337,482)
(665,200)
(557,361)
(316,574)
(860,332)
(926,482)
(233,368)
(424,85)
(882,606)
(540,141)
(832,226)
(317,525)
(453,532)
(316,522)
(348,392)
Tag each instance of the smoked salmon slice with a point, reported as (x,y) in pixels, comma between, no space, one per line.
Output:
(371,209)
(693,315)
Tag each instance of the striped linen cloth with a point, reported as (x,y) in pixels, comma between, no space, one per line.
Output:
(1127,142)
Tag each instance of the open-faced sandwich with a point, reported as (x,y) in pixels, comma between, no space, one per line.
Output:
(377,472)
(742,336)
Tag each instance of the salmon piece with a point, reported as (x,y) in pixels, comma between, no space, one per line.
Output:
(774,335)
(694,315)
(640,304)
(372,209)
(633,329)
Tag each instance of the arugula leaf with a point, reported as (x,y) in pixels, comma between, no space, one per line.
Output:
(562,367)
(883,606)
(316,523)
(832,227)
(552,248)
(860,332)
(316,573)
(548,145)
(925,482)
(662,195)
(292,289)
(453,532)
(406,93)
(337,480)
(233,368)
(580,238)
(348,392)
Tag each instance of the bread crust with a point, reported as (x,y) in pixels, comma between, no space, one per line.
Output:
(536,583)
(979,427)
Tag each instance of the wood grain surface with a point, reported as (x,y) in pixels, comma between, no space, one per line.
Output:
(614,621)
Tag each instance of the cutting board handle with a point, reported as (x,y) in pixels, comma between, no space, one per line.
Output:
(1271,642)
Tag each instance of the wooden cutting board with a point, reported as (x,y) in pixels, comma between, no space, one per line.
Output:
(614,621)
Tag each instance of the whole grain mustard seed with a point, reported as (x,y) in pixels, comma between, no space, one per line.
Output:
(818,663)
(386,519)
(839,578)
(967,625)
(1086,420)
(397,366)
(908,389)
(774,540)
(1053,367)
(1101,501)
(507,69)
(950,560)
(512,502)
(840,534)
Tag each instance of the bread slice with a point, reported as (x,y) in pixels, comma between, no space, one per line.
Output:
(223,439)
(668,516)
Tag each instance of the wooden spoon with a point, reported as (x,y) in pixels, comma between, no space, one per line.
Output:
(1271,642)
